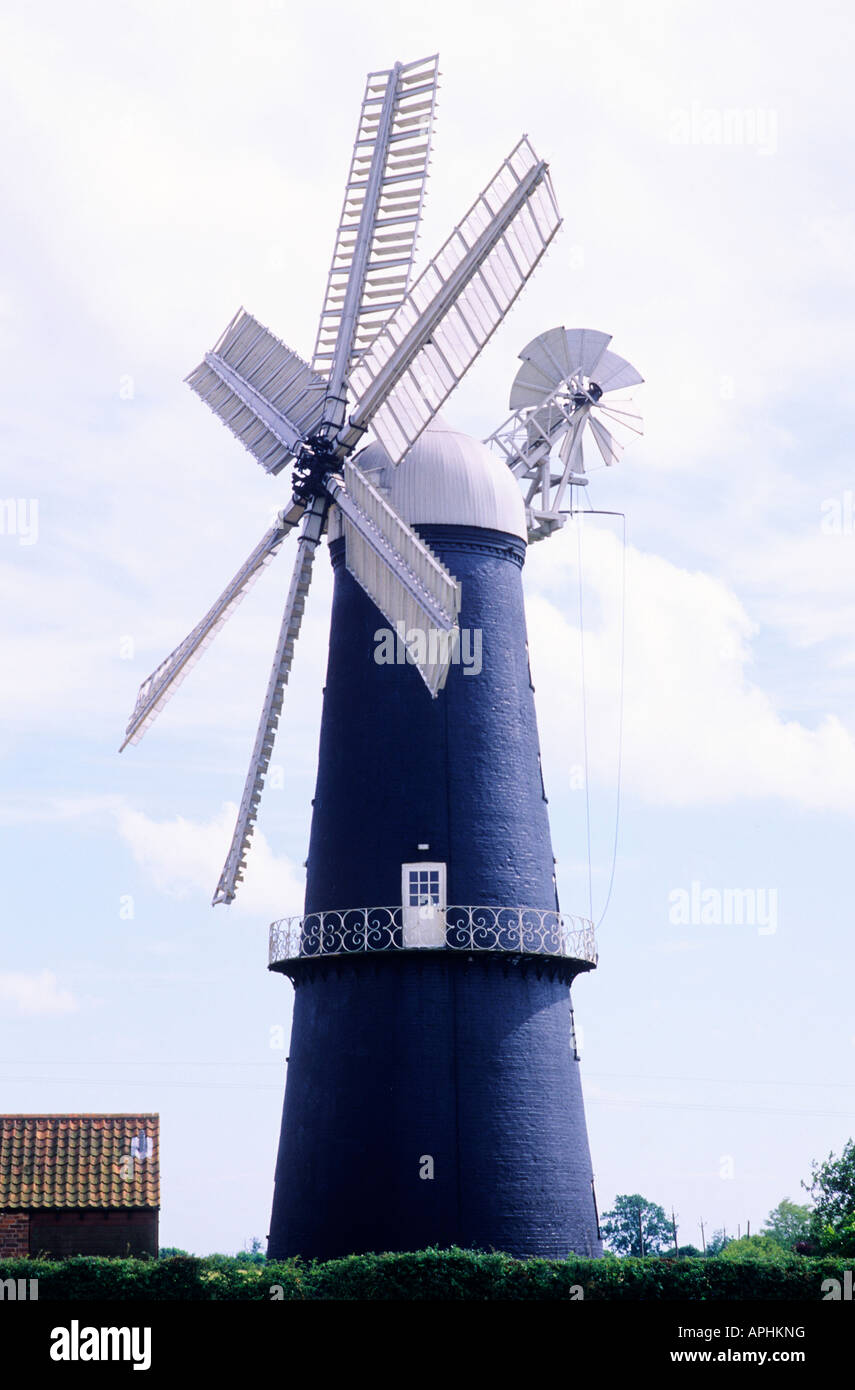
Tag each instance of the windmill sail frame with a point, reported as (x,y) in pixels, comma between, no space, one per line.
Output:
(376,237)
(455,306)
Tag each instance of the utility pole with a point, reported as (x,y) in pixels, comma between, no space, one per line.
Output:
(674,1228)
(748,1230)
(703,1238)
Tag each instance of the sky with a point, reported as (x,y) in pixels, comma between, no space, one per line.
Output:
(167,163)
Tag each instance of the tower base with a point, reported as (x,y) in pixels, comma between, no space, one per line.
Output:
(433,1099)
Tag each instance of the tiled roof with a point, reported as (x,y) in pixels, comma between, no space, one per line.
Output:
(79,1161)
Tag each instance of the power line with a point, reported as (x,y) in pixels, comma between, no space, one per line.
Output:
(736,1109)
(631,1104)
(125,1081)
(715,1080)
(610,1075)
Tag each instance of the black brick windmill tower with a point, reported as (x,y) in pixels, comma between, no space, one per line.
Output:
(433,1093)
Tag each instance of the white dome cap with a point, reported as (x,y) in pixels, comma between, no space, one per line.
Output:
(449,479)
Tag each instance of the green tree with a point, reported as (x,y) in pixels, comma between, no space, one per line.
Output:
(620,1226)
(832,1187)
(788,1223)
(717,1242)
(761,1248)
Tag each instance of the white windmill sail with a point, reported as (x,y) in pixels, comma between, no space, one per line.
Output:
(557,356)
(614,424)
(403,576)
(266,394)
(268,723)
(376,236)
(565,387)
(158,688)
(455,305)
(614,373)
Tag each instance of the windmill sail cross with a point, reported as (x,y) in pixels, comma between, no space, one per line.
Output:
(455,305)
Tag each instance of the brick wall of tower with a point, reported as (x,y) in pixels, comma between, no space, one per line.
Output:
(468,1060)
(460,773)
(399,1056)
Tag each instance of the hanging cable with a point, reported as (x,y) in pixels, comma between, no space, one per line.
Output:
(595,511)
(585,721)
(621,647)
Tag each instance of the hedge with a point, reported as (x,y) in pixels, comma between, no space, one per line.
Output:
(433,1274)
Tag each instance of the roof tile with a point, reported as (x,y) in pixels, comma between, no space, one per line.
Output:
(79,1161)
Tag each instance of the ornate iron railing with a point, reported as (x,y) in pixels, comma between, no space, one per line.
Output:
(521,930)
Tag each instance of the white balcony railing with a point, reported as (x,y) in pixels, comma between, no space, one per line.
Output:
(519,930)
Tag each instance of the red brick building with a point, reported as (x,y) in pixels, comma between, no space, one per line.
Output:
(79,1185)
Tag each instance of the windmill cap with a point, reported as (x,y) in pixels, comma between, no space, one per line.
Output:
(448,478)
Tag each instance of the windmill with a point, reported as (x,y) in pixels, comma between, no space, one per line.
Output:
(429,790)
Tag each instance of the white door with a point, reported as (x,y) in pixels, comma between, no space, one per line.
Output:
(423,899)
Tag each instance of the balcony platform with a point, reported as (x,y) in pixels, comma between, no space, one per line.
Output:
(519,932)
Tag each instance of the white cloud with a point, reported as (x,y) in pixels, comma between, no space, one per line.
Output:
(184,859)
(697,729)
(803,584)
(34,994)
